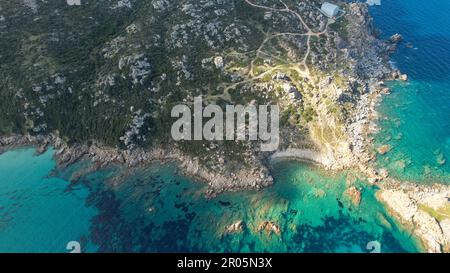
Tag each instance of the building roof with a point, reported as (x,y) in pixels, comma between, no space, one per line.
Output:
(329,9)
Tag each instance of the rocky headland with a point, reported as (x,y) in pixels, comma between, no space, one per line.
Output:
(341,100)
(101,156)
(335,75)
(424,209)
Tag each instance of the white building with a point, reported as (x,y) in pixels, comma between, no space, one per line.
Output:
(74,2)
(330,10)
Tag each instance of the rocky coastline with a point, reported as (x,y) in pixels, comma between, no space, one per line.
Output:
(412,204)
(100,156)
(423,209)
(369,57)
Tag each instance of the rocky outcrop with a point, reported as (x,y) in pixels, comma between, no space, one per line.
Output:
(354,194)
(403,77)
(269,227)
(417,206)
(383,149)
(372,53)
(396,38)
(236,227)
(255,177)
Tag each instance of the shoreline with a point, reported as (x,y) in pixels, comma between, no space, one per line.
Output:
(302,155)
(359,128)
(366,74)
(417,208)
(424,227)
(257,177)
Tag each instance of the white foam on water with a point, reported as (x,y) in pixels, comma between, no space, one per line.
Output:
(374,2)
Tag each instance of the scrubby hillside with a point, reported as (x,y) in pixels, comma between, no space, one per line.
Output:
(110,71)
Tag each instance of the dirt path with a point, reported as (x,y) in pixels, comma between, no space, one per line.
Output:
(305,72)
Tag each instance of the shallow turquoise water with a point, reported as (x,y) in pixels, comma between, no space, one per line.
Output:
(415,118)
(39,213)
(156,210)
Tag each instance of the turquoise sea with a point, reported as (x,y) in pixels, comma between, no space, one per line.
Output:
(415,118)
(38,211)
(155,209)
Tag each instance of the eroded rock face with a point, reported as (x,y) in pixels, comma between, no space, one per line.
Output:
(419,206)
(429,230)
(445,226)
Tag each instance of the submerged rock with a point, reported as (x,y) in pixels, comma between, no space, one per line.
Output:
(354,194)
(236,227)
(268,227)
(441,159)
(384,149)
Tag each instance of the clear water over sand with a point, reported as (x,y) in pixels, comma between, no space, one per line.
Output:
(156,210)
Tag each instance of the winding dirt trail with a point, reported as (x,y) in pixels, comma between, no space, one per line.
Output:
(301,67)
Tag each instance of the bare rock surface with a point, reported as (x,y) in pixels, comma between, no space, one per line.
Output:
(419,207)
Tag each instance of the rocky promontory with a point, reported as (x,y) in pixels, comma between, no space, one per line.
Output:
(327,76)
(100,156)
(425,209)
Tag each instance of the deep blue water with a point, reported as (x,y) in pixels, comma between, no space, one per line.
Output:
(415,118)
